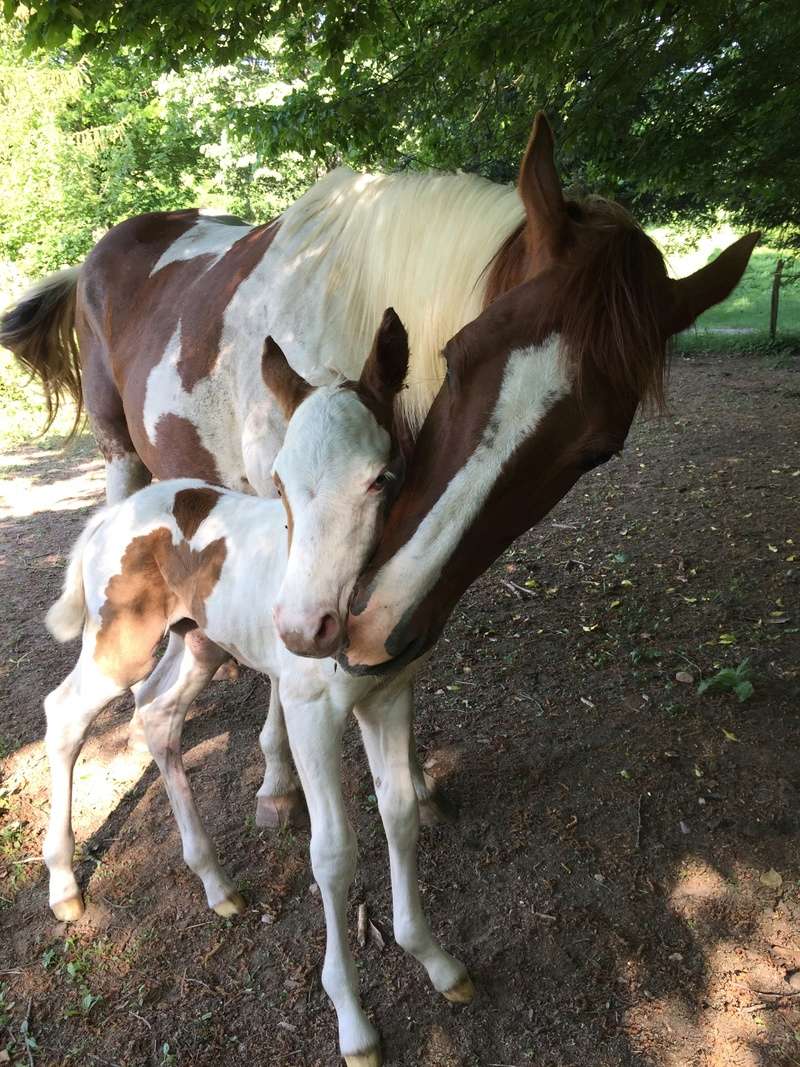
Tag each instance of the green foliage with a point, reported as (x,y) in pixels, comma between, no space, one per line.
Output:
(682,107)
(730,680)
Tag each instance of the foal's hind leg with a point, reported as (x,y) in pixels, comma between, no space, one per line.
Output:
(280,798)
(70,710)
(162,701)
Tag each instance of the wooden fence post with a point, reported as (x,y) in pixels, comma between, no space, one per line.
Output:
(776,295)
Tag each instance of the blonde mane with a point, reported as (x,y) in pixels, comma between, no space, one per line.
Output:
(415,242)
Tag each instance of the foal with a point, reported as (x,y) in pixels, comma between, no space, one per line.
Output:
(211,567)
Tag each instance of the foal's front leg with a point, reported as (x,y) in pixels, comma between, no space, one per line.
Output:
(162,701)
(385,722)
(315,733)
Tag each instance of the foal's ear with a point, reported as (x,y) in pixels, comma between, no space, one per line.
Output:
(540,189)
(282,380)
(385,370)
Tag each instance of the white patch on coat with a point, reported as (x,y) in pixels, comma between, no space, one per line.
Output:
(534,379)
(205,238)
(210,406)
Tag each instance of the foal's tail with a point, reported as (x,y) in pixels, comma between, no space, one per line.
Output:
(40,331)
(65,618)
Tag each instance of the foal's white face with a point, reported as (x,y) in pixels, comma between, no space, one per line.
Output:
(333,475)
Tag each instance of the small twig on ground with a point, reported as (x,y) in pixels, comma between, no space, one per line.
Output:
(639,822)
(113,904)
(769,993)
(25,1031)
(111,1063)
(141,1020)
(518,590)
(543,915)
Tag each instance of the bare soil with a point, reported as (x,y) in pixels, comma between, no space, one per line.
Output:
(623,880)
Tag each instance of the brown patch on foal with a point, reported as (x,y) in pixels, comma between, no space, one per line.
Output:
(192,507)
(157,579)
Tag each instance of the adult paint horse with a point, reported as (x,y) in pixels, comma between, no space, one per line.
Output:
(170,309)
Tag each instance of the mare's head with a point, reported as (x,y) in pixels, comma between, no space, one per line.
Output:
(540,388)
(338,469)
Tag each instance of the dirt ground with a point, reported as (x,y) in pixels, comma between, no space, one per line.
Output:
(623,879)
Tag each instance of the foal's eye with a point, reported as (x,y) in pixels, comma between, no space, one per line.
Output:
(380,482)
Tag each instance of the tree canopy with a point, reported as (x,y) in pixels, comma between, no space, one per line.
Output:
(680,108)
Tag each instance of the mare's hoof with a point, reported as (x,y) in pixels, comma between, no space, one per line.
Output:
(462,992)
(228,672)
(436,810)
(68,911)
(287,810)
(372,1058)
(233,904)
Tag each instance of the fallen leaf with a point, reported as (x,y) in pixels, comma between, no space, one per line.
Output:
(376,937)
(362,924)
(729,736)
(771,879)
(684,677)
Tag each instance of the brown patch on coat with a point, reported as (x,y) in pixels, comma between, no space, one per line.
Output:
(288,508)
(191,507)
(157,581)
(179,452)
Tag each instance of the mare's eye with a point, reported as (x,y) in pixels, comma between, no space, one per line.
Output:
(380,482)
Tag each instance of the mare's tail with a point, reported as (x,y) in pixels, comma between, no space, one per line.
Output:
(40,331)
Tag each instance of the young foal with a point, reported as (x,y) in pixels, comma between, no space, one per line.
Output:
(212,568)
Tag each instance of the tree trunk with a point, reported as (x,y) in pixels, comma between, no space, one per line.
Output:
(776,295)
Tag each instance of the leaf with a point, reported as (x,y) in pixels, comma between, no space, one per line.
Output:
(771,879)
(729,736)
(684,677)
(744,690)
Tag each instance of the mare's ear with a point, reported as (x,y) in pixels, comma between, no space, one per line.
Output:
(540,190)
(710,285)
(385,370)
(282,380)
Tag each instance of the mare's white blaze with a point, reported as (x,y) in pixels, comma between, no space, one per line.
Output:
(535,378)
(207,237)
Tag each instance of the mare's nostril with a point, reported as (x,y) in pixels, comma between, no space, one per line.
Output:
(328,630)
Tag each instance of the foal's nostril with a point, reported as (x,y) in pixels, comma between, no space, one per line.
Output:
(328,631)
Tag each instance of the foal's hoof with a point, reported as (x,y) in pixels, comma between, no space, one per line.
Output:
(68,911)
(372,1058)
(233,904)
(462,992)
(436,810)
(287,810)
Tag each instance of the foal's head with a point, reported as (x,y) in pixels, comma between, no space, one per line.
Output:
(338,469)
(540,388)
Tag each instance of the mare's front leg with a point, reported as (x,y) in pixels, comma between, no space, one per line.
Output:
(315,726)
(162,701)
(385,720)
(280,799)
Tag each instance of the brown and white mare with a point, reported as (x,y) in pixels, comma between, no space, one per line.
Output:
(170,311)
